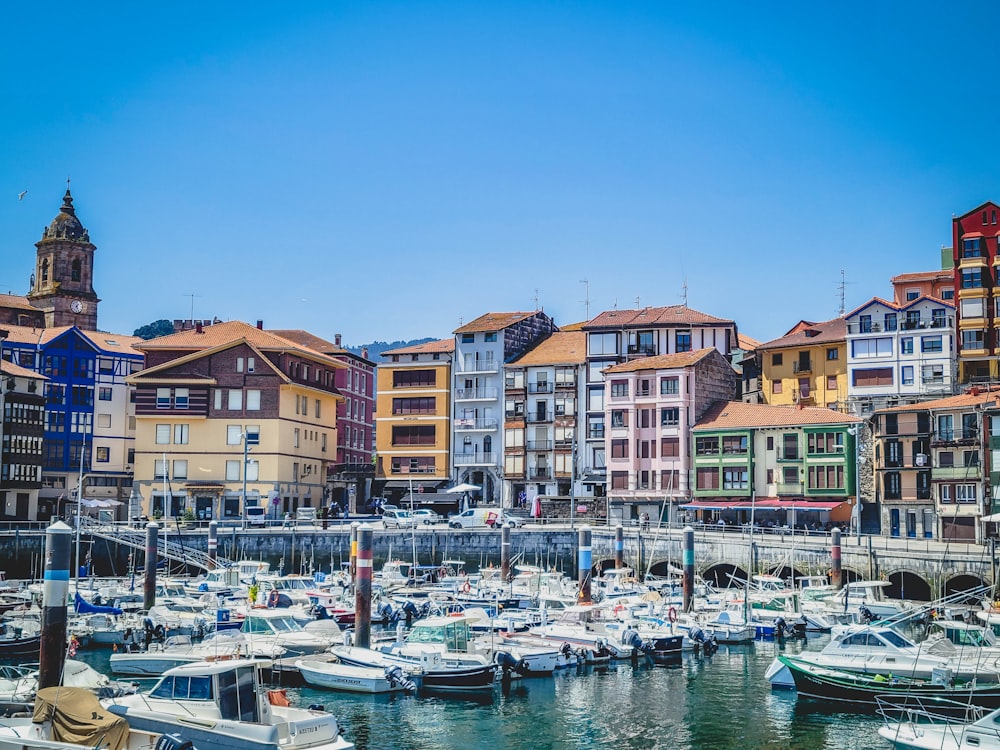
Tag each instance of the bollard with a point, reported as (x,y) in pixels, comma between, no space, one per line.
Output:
(688,582)
(58,538)
(213,543)
(837,572)
(354,553)
(363,590)
(149,581)
(619,547)
(505,552)
(584,563)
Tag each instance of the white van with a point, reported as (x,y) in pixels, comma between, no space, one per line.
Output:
(255,515)
(305,516)
(480,518)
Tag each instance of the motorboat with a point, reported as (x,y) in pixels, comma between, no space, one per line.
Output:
(274,628)
(436,674)
(178,650)
(222,704)
(913,724)
(586,625)
(67,718)
(354,679)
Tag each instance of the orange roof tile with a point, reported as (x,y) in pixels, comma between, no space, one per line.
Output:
(736,414)
(921,276)
(17,302)
(308,339)
(493,322)
(662,361)
(809,334)
(746,343)
(443,346)
(108,342)
(655,316)
(951,402)
(9,368)
(561,348)
(233,331)
(578,326)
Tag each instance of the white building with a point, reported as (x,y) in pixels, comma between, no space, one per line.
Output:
(900,354)
(481,349)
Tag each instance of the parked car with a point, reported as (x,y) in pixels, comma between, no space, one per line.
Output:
(397,519)
(387,506)
(426,516)
(482,518)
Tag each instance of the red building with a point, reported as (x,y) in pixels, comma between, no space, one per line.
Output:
(974,249)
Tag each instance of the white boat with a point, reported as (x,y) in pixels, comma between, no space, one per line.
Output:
(221,704)
(273,628)
(435,674)
(586,625)
(178,650)
(911,724)
(68,718)
(353,679)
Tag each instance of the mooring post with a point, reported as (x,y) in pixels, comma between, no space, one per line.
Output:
(363,590)
(584,563)
(149,579)
(687,583)
(837,571)
(55,590)
(354,554)
(213,543)
(505,552)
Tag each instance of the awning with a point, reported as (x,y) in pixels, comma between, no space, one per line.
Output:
(712,505)
(99,503)
(765,503)
(405,484)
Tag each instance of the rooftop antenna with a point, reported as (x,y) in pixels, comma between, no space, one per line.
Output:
(192,296)
(637,302)
(684,292)
(586,297)
(842,290)
(536,299)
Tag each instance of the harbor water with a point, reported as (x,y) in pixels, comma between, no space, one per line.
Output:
(720,702)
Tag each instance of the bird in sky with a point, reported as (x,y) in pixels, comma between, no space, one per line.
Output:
(20,196)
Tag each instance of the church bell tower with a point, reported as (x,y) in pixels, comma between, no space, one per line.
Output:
(63,287)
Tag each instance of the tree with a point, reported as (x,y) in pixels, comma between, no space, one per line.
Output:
(155,329)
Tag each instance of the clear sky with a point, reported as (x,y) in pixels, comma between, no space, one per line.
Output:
(388,170)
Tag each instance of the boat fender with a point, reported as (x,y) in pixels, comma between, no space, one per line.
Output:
(672,614)
(278,697)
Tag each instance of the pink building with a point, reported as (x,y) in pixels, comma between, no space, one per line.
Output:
(651,404)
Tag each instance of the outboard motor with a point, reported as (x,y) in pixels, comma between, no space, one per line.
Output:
(705,642)
(173,742)
(601,648)
(867,616)
(411,611)
(385,612)
(395,676)
(506,661)
(779,628)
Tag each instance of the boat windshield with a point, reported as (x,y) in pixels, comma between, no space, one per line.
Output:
(284,624)
(197,688)
(454,636)
(895,639)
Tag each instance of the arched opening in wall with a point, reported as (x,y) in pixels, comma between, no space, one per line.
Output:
(75,270)
(607,563)
(906,585)
(786,573)
(964,583)
(850,576)
(722,575)
(45,270)
(665,569)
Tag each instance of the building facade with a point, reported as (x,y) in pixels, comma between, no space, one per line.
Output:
(482,348)
(974,248)
(780,465)
(618,336)
(899,354)
(231,416)
(907,287)
(651,405)
(543,391)
(807,366)
(413,418)
(22,404)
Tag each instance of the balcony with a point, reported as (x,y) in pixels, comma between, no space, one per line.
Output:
(475,459)
(539,445)
(802,365)
(470,424)
(789,456)
(479,365)
(514,415)
(789,488)
(540,387)
(803,397)
(476,394)
(540,418)
(641,350)
(566,384)
(864,328)
(512,385)
(595,433)
(542,473)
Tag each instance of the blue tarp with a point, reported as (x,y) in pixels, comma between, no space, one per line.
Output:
(84,607)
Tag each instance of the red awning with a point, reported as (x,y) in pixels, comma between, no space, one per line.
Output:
(712,505)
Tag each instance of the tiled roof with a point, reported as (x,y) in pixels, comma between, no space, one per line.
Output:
(230,332)
(561,348)
(904,278)
(107,342)
(308,339)
(662,362)
(493,322)
(735,414)
(810,334)
(578,326)
(746,343)
(444,346)
(951,402)
(9,368)
(17,302)
(654,316)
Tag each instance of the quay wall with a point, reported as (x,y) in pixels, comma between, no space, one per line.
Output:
(936,564)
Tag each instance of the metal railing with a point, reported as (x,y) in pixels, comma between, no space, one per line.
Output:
(136,539)
(482,423)
(473,394)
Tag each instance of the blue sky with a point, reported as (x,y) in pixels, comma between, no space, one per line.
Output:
(388,170)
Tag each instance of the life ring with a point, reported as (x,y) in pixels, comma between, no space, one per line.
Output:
(272,599)
(442,571)
(466,587)
(619,608)
(672,614)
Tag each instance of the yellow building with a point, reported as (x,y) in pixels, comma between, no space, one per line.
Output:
(228,411)
(808,366)
(413,417)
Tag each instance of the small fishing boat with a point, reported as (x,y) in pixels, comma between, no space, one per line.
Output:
(860,690)
(354,679)
(435,673)
(917,724)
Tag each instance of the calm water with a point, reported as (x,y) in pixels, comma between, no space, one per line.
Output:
(712,703)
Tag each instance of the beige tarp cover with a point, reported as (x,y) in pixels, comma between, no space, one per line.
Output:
(77,717)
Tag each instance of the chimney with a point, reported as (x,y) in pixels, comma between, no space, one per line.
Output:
(336,339)
(260,325)
(198,328)
(364,353)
